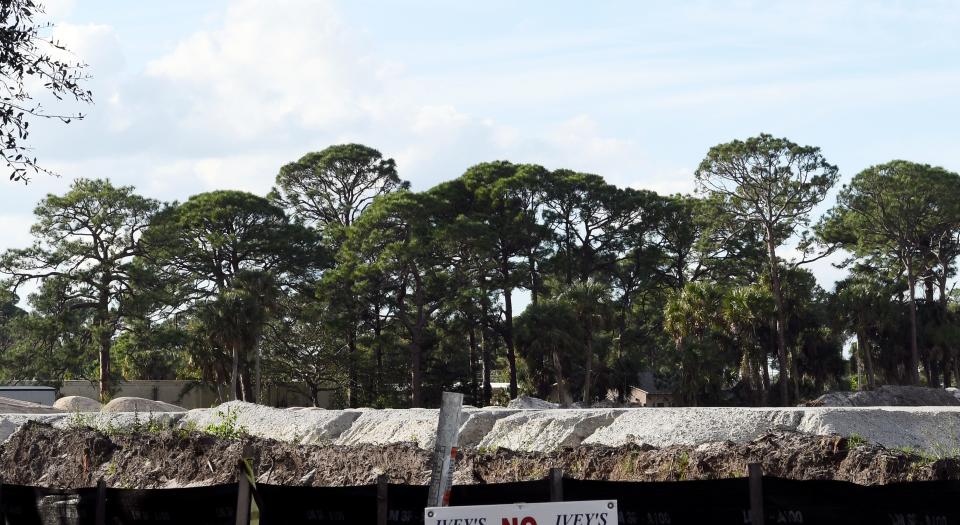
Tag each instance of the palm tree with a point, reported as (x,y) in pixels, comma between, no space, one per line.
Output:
(744,309)
(549,328)
(591,302)
(862,302)
(235,320)
(693,318)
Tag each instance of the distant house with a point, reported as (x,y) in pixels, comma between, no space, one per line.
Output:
(646,393)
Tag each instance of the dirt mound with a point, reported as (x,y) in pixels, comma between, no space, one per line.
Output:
(527,402)
(41,455)
(889,395)
(77,404)
(38,454)
(139,404)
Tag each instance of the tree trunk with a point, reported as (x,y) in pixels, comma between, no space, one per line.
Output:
(857,361)
(756,369)
(947,370)
(588,371)
(416,372)
(914,372)
(258,386)
(534,286)
(781,319)
(794,373)
(352,400)
(486,368)
(246,385)
(378,355)
(863,346)
(765,377)
(104,336)
(104,369)
(472,368)
(508,339)
(563,391)
(235,374)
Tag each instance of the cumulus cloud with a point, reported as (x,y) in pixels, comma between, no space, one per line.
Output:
(268,67)
(94,44)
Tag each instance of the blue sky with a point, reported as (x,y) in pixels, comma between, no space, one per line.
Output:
(193,96)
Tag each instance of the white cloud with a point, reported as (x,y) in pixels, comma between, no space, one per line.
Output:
(16,230)
(443,119)
(58,9)
(253,173)
(271,66)
(94,44)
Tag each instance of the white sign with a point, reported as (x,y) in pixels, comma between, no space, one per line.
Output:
(565,513)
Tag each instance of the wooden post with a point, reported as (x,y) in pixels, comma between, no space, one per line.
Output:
(756,493)
(243,496)
(101,514)
(445,450)
(556,484)
(382,499)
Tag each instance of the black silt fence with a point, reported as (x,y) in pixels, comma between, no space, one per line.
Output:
(726,501)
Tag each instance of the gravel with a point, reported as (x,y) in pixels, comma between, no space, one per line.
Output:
(890,395)
(691,426)
(932,429)
(298,426)
(545,430)
(531,403)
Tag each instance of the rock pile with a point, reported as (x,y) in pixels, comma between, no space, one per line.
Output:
(890,395)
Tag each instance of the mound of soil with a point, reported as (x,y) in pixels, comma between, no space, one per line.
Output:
(40,455)
(77,404)
(139,404)
(889,395)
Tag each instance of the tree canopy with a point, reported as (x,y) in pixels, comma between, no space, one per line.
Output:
(509,279)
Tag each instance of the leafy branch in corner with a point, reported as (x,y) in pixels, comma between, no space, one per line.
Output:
(29,55)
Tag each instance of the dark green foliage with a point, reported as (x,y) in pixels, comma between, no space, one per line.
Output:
(85,243)
(369,294)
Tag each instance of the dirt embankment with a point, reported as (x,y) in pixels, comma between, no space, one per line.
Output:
(40,455)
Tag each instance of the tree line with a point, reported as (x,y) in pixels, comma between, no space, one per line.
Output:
(556,283)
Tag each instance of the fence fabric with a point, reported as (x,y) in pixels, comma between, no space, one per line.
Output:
(24,505)
(725,501)
(213,505)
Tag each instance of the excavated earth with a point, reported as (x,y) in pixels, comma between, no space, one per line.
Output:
(39,454)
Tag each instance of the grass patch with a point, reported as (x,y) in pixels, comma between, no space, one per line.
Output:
(855,440)
(227,428)
(680,466)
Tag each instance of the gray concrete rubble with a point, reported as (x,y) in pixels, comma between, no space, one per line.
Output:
(418,425)
(531,402)
(890,396)
(691,426)
(300,426)
(544,430)
(932,429)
